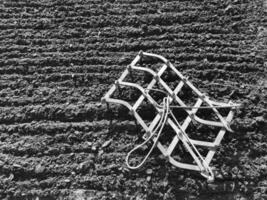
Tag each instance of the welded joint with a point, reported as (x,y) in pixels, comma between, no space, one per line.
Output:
(185,78)
(132,111)
(129,68)
(192,115)
(103,100)
(117,83)
(168,63)
(173,95)
(141,53)
(156,77)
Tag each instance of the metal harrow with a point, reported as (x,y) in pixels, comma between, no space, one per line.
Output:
(166,116)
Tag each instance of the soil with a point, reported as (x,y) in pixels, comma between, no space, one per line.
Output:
(58,58)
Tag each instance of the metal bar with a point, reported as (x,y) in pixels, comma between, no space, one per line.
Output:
(184,127)
(201,164)
(179,87)
(189,149)
(119,101)
(184,165)
(202,121)
(144,69)
(201,96)
(150,128)
(113,88)
(140,120)
(136,59)
(219,138)
(151,84)
(152,101)
(209,145)
(156,56)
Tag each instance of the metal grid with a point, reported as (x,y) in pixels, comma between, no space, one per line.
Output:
(201,163)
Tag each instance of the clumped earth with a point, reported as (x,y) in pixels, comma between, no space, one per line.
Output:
(59,57)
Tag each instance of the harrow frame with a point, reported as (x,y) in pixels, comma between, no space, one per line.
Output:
(202,164)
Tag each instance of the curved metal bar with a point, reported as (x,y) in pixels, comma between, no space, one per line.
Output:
(186,142)
(208,122)
(156,56)
(136,115)
(183,165)
(223,123)
(184,127)
(142,90)
(112,100)
(150,85)
(144,69)
(203,166)
(201,96)
(207,173)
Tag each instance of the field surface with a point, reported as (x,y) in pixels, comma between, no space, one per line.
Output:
(58,58)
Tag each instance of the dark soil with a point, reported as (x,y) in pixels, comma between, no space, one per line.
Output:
(58,58)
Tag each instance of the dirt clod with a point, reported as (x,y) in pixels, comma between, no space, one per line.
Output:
(39,169)
(149,171)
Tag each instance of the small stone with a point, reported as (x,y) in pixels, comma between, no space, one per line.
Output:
(100,152)
(149,171)
(94,148)
(39,169)
(17,166)
(260,119)
(165,183)
(219,176)
(228,8)
(85,165)
(11,176)
(107,143)
(67,180)
(148,178)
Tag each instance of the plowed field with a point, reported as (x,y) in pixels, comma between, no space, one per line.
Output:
(58,58)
